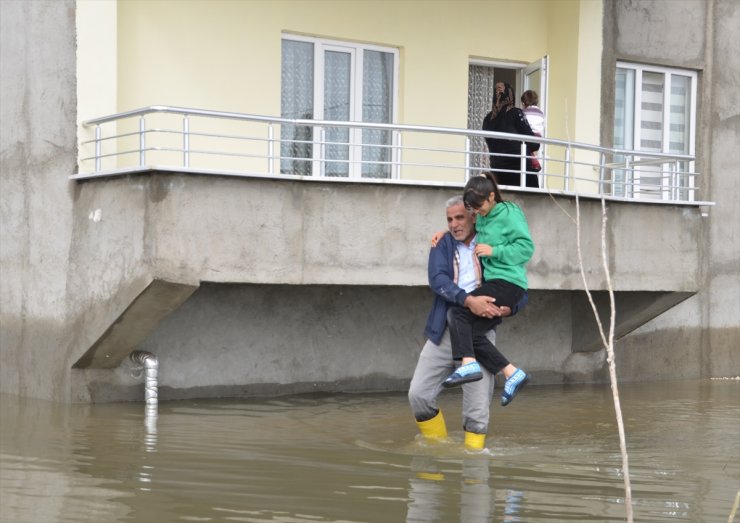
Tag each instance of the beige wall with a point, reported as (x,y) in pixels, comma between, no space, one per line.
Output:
(97,65)
(588,89)
(574,46)
(226,55)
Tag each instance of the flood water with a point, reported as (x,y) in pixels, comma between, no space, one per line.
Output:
(553,455)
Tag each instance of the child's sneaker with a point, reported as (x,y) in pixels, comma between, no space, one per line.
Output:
(464,374)
(514,384)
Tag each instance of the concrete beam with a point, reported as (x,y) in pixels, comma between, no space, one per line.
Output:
(157,301)
(274,231)
(633,309)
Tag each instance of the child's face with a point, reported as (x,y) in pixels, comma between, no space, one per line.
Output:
(486,206)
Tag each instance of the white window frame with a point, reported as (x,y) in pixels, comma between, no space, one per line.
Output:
(639,69)
(320,45)
(519,67)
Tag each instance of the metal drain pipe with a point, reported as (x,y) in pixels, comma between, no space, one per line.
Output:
(149,362)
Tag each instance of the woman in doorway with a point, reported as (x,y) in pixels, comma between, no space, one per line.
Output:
(505,158)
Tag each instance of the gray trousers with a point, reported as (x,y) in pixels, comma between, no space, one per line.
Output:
(434,365)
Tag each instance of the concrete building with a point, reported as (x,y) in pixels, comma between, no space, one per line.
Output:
(304,268)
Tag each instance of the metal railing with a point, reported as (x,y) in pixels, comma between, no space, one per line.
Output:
(228,143)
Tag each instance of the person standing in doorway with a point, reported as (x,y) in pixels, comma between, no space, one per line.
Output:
(505,155)
(535,118)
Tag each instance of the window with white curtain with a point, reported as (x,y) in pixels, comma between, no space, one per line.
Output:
(654,111)
(337,81)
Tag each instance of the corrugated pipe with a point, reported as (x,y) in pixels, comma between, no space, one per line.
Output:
(149,362)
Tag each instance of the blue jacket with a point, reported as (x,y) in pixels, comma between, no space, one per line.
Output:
(441,269)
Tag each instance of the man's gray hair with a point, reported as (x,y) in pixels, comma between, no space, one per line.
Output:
(455,200)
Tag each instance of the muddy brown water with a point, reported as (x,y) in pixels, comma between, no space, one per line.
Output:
(552,455)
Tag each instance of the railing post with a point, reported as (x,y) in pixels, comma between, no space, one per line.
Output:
(567,167)
(542,157)
(142,141)
(322,151)
(523,165)
(270,150)
(186,141)
(467,159)
(629,179)
(398,155)
(98,148)
(602,173)
(666,181)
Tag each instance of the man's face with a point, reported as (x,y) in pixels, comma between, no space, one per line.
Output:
(461,223)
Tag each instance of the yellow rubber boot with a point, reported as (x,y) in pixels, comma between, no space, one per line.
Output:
(433,429)
(474,441)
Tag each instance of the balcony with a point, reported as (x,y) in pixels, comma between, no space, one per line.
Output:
(175,139)
(177,205)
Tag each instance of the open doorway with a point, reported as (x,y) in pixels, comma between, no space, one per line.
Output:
(482,78)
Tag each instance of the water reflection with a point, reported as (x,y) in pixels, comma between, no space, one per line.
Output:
(40,470)
(150,423)
(552,456)
(428,488)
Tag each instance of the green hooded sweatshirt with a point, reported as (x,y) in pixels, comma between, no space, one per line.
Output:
(505,229)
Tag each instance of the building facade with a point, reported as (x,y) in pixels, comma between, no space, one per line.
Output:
(312,275)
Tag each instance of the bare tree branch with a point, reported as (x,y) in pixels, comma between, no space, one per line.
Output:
(607,342)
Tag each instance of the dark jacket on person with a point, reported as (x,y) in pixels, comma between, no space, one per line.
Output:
(512,121)
(505,168)
(442,276)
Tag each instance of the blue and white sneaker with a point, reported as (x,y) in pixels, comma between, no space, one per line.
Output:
(513,385)
(464,374)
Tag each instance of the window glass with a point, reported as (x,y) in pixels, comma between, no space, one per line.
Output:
(337,71)
(624,125)
(296,101)
(680,126)
(352,83)
(480,93)
(624,108)
(651,112)
(377,107)
(654,112)
(664,118)
(679,114)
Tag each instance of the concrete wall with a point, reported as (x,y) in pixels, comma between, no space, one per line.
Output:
(321,285)
(245,340)
(701,337)
(194,228)
(237,340)
(60,286)
(37,153)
